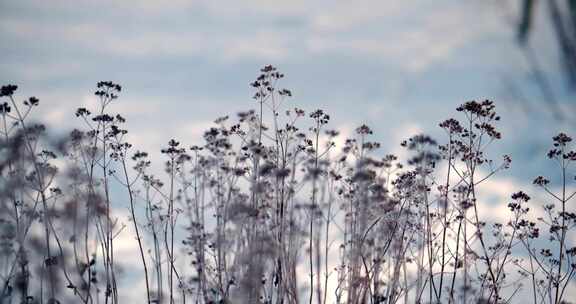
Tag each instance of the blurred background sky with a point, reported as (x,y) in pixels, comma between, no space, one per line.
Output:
(399,66)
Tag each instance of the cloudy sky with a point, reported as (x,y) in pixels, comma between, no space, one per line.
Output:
(398,66)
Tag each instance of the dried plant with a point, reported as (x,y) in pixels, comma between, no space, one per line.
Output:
(269,209)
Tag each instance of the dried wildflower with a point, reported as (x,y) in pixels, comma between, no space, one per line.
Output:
(4,108)
(8,90)
(452,126)
(82,112)
(107,90)
(561,140)
(173,149)
(285,92)
(541,181)
(363,130)
(32,102)
(520,196)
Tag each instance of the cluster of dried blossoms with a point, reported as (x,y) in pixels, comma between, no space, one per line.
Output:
(268,211)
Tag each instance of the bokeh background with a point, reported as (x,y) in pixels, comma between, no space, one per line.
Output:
(401,67)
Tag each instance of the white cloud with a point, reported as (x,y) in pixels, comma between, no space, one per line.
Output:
(264,45)
(397,32)
(347,15)
(430,38)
